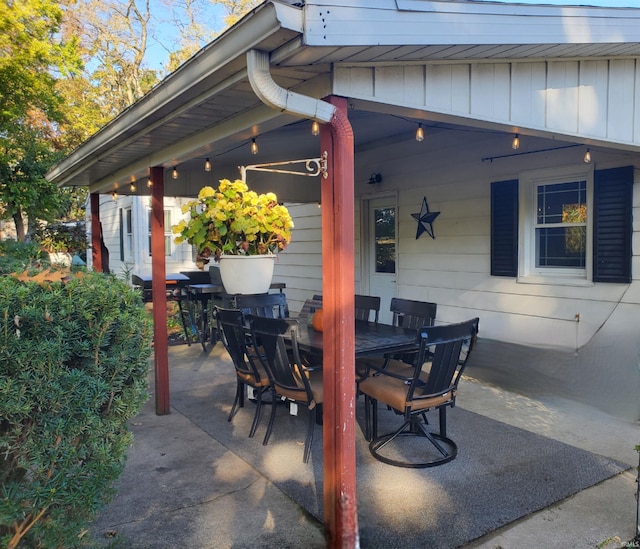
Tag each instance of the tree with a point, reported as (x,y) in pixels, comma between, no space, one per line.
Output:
(114,37)
(32,55)
(190,18)
(25,192)
(236,9)
(193,18)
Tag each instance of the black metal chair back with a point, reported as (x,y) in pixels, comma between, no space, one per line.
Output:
(249,371)
(265,305)
(291,379)
(365,305)
(445,349)
(411,314)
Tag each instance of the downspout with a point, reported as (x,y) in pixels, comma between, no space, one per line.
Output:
(336,136)
(280,99)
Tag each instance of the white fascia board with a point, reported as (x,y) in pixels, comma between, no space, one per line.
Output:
(421,22)
(232,44)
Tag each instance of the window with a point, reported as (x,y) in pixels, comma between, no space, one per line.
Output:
(128,234)
(168,236)
(567,225)
(385,240)
(561,225)
(555,230)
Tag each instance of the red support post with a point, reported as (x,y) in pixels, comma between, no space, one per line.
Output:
(337,202)
(96,248)
(158,290)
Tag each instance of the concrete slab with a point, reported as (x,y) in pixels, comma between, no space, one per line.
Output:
(182,488)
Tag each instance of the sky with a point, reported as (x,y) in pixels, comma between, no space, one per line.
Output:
(157,54)
(167,34)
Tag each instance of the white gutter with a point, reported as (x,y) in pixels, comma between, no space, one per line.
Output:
(279,98)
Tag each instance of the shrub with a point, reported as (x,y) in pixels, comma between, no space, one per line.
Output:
(62,237)
(18,256)
(74,359)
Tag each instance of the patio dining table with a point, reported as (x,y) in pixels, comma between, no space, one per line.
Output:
(202,298)
(371,339)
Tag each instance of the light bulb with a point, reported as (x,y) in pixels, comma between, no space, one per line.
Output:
(207,165)
(420,133)
(133,188)
(149,183)
(174,173)
(515,145)
(587,157)
(315,128)
(254,146)
(114,195)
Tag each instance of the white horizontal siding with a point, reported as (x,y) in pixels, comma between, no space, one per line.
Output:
(453,269)
(585,99)
(386,22)
(300,265)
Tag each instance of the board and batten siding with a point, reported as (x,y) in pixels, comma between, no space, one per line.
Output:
(591,99)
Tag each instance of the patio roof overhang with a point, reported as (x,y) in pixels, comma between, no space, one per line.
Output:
(207,108)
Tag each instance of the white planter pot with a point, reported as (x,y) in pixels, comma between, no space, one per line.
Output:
(60,258)
(247,274)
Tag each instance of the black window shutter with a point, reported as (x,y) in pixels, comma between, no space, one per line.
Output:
(612,225)
(504,228)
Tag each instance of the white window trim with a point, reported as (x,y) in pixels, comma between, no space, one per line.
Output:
(528,273)
(168,234)
(129,233)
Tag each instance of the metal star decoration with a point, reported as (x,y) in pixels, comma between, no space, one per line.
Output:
(425,220)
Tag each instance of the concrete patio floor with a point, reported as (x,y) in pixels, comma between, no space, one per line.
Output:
(181,487)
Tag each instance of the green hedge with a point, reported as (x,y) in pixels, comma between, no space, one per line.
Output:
(74,361)
(18,256)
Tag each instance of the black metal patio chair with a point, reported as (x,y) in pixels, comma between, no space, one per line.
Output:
(266,305)
(433,385)
(249,371)
(292,380)
(365,306)
(410,314)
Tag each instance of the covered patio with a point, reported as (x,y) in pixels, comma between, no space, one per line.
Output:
(194,479)
(430,65)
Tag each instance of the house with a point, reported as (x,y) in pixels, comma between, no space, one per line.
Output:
(519,125)
(127,234)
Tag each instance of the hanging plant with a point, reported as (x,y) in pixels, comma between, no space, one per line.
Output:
(233,220)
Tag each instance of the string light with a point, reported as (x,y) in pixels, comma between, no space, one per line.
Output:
(133,188)
(587,157)
(149,183)
(420,133)
(174,173)
(207,165)
(254,146)
(515,145)
(114,195)
(315,128)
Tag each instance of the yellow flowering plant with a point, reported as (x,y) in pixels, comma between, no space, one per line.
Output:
(232,220)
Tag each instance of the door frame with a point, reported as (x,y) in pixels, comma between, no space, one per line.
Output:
(365,248)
